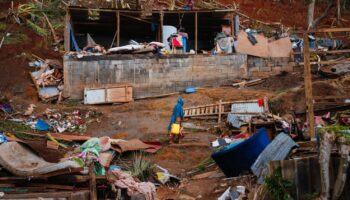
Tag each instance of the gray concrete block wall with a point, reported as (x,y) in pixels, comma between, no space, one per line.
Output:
(261,67)
(151,75)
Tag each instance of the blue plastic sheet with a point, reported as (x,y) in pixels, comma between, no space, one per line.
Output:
(41,125)
(239,158)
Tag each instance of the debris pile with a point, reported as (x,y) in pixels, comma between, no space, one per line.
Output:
(48,79)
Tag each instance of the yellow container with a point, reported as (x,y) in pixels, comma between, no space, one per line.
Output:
(175,129)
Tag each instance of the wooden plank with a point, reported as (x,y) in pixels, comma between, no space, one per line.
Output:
(118,28)
(330,97)
(138,19)
(67,32)
(326,52)
(62,172)
(219,114)
(161,26)
(196,32)
(52,186)
(329,62)
(308,88)
(330,30)
(36,195)
(93,189)
(155,11)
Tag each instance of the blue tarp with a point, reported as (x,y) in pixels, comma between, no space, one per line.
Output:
(240,158)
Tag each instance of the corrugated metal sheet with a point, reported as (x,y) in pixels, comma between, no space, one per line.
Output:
(278,149)
(243,111)
(305,176)
(247,107)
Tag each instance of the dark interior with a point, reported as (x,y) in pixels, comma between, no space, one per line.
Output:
(102,26)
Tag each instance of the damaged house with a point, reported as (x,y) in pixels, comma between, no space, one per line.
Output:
(161,50)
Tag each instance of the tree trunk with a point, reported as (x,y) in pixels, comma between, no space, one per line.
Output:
(342,170)
(327,140)
(310,13)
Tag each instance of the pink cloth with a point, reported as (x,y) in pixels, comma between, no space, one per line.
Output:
(124,180)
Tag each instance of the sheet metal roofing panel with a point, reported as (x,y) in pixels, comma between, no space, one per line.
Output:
(278,149)
(246,107)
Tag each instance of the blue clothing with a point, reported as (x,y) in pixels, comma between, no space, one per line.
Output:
(178,111)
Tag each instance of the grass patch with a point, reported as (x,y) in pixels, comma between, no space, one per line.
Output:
(16,38)
(141,167)
(277,186)
(72,102)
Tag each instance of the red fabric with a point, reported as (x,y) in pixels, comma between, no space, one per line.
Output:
(261,102)
(176,43)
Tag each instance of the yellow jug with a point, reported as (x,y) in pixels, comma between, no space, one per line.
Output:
(175,129)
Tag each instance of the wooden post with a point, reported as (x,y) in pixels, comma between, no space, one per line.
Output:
(161,26)
(232,25)
(220,111)
(338,12)
(308,87)
(118,28)
(92,175)
(67,32)
(196,32)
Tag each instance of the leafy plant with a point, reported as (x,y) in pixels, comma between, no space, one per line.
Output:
(42,17)
(340,131)
(277,186)
(141,167)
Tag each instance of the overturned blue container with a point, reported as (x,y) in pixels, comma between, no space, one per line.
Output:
(239,158)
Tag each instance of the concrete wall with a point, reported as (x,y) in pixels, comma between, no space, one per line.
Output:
(262,67)
(152,75)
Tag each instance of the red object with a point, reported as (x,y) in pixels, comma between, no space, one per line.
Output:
(175,42)
(241,135)
(155,146)
(261,102)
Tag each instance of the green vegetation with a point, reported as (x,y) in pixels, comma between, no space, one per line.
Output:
(277,186)
(42,17)
(16,128)
(339,131)
(71,102)
(141,167)
(16,38)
